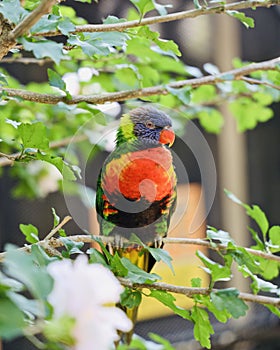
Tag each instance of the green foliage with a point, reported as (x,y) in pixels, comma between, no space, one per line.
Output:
(168,300)
(30,232)
(247,21)
(134,58)
(202,326)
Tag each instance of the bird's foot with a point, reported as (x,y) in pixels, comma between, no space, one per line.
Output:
(158,243)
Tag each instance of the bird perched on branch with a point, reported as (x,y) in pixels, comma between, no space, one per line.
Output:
(136,189)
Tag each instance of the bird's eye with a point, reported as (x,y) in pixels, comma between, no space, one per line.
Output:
(150,125)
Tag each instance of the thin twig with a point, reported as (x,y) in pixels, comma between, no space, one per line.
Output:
(260,82)
(122,26)
(58,227)
(234,74)
(191,291)
(218,247)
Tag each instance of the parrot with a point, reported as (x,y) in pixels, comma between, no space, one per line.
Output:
(136,188)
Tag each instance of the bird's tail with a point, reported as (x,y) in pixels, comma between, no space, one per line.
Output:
(141,258)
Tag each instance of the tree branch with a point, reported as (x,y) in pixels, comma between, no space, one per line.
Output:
(234,74)
(8,159)
(43,8)
(8,35)
(56,243)
(191,291)
(122,26)
(50,244)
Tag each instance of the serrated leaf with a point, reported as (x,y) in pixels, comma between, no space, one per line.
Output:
(168,300)
(243,258)
(71,246)
(30,232)
(227,299)
(12,10)
(33,135)
(260,218)
(202,326)
(218,272)
(137,275)
(44,48)
(161,255)
(65,169)
(247,21)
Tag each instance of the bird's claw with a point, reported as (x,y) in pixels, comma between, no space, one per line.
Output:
(158,243)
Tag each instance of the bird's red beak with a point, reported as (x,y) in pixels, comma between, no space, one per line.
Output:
(167,137)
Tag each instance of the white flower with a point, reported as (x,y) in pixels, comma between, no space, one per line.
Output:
(88,292)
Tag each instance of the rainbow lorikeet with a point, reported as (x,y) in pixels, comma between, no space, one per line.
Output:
(136,189)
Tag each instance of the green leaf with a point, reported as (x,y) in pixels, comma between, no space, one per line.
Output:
(270,268)
(218,272)
(12,10)
(56,81)
(96,257)
(243,258)
(56,218)
(161,255)
(30,232)
(247,21)
(34,135)
(259,216)
(227,299)
(273,309)
(71,247)
(211,120)
(130,298)
(196,282)
(11,319)
(274,236)
(44,48)
(232,197)
(137,275)
(168,300)
(20,265)
(143,6)
(259,284)
(219,235)
(183,94)
(65,169)
(117,266)
(202,326)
